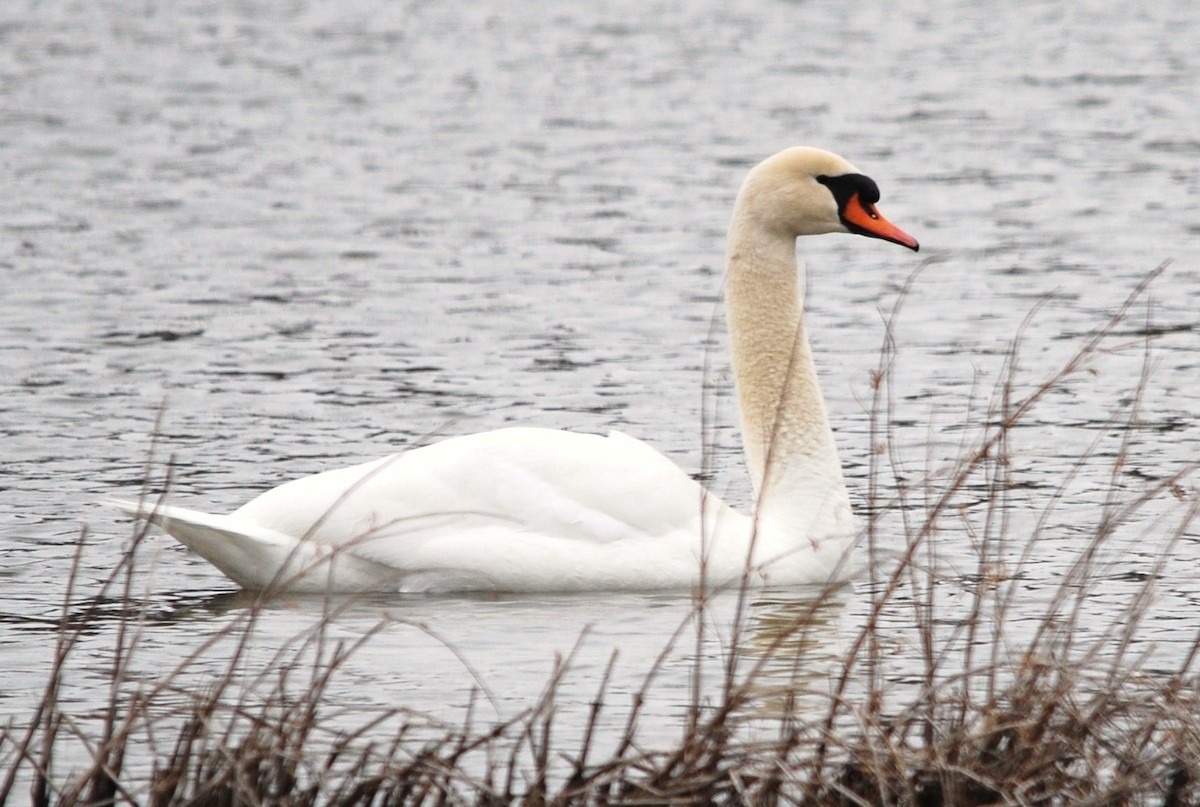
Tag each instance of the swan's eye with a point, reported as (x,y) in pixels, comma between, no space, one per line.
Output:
(852,189)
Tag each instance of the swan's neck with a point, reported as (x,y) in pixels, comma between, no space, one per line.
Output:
(789,445)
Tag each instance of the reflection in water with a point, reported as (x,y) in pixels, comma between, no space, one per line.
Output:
(794,646)
(425,658)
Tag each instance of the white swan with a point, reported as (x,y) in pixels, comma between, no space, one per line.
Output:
(526,509)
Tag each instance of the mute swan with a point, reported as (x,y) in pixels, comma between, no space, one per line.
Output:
(527,509)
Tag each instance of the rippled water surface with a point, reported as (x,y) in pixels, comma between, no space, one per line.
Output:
(295,235)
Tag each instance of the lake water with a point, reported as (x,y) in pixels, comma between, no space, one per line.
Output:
(288,236)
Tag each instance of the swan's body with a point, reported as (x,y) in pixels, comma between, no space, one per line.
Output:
(544,510)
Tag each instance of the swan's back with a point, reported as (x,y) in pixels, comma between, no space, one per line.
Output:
(512,509)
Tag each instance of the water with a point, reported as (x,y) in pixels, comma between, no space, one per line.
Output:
(296,235)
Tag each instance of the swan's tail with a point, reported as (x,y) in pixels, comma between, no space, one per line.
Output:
(259,558)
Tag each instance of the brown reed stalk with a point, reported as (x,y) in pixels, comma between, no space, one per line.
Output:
(1060,716)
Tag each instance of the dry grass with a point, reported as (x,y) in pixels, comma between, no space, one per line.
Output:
(1051,715)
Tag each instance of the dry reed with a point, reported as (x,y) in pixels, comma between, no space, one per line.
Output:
(1053,715)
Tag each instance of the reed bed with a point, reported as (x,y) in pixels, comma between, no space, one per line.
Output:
(1060,713)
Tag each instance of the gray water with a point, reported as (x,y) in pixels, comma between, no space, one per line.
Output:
(288,236)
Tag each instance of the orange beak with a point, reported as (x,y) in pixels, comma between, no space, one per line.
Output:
(867,220)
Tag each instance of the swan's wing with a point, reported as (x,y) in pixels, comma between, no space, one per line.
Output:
(514,509)
(580,487)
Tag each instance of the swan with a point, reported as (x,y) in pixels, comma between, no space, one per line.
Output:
(533,509)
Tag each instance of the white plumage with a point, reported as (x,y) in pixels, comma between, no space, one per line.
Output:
(524,509)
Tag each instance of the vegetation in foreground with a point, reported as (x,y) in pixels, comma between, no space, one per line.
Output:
(1064,713)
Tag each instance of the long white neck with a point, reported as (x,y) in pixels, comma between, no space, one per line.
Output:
(789,446)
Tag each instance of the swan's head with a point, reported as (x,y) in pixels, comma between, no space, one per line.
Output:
(808,191)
